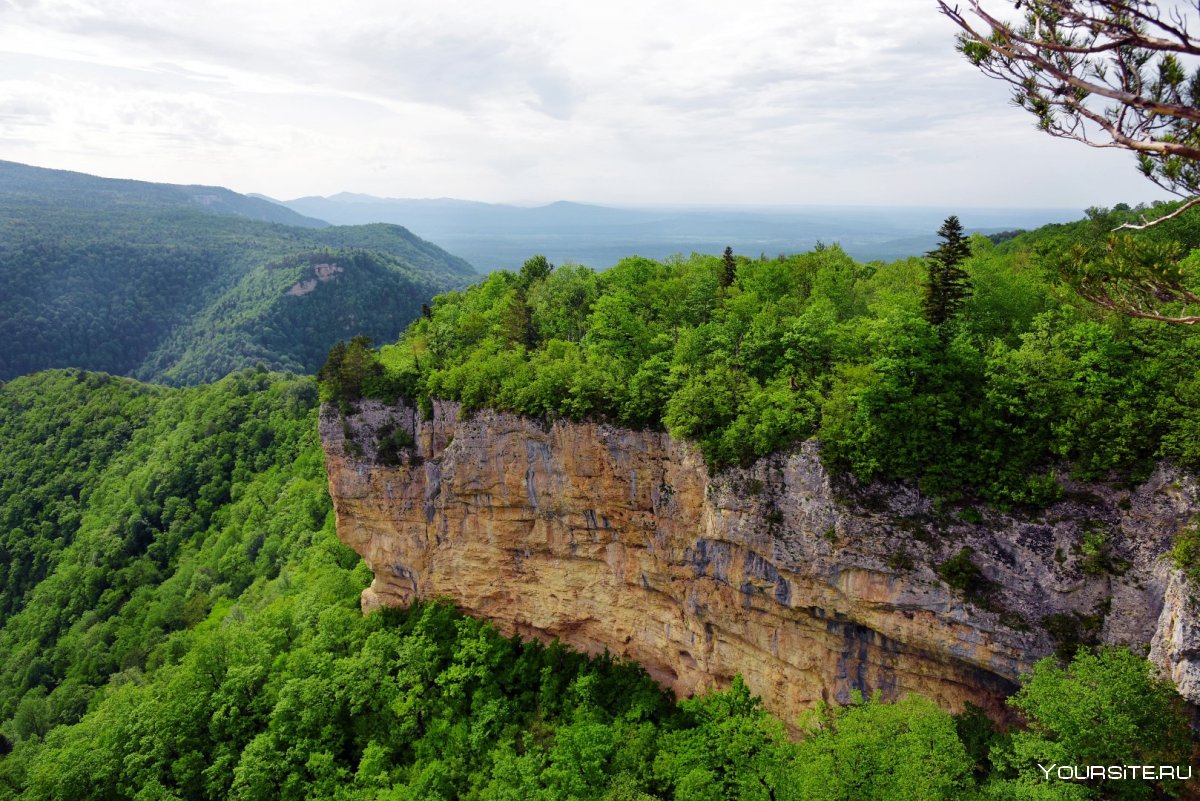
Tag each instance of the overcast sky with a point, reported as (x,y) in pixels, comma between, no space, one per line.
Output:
(733,102)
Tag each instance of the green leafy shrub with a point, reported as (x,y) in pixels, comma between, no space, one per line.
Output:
(1185,552)
(1072,631)
(961,573)
(392,444)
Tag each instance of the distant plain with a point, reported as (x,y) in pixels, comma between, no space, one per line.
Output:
(497,236)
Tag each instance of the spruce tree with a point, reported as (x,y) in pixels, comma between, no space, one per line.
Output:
(948,285)
(728,268)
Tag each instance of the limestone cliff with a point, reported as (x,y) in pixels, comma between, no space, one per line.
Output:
(615,539)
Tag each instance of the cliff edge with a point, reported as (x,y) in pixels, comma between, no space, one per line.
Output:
(614,539)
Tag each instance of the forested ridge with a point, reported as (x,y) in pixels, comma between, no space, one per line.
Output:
(180,621)
(25,185)
(1021,384)
(147,280)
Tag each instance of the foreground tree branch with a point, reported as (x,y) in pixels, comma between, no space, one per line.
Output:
(1110,74)
(1147,279)
(1150,223)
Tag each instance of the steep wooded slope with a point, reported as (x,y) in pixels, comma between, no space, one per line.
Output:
(147,280)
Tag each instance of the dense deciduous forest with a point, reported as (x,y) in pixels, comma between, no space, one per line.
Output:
(146,280)
(180,621)
(1023,383)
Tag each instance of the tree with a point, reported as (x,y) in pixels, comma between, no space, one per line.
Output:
(948,285)
(1105,708)
(731,748)
(352,372)
(517,322)
(535,269)
(1110,74)
(872,750)
(728,267)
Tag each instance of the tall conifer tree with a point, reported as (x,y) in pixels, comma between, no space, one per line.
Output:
(948,285)
(728,267)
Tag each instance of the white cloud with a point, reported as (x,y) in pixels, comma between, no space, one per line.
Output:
(762,101)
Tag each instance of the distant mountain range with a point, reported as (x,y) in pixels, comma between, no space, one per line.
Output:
(183,284)
(493,236)
(21,184)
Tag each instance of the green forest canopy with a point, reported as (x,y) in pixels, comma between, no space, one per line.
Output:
(1027,381)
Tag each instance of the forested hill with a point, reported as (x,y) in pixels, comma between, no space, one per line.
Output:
(144,280)
(39,187)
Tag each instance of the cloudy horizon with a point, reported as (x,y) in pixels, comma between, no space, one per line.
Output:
(757,103)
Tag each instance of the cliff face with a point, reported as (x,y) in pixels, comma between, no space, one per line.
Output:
(614,539)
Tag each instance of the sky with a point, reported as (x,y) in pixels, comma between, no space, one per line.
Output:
(754,102)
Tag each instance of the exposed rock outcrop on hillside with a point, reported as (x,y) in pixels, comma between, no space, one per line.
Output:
(621,540)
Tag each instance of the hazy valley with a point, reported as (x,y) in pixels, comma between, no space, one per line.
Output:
(497,236)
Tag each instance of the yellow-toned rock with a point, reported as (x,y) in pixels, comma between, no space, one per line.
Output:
(621,540)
